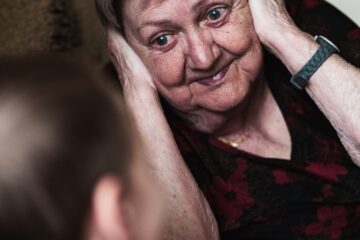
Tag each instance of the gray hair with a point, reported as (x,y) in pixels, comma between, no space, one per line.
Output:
(109,12)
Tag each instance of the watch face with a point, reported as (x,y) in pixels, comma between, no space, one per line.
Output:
(328,42)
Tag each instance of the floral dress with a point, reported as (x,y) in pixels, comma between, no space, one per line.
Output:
(315,194)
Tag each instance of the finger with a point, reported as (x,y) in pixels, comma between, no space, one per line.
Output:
(120,52)
(128,64)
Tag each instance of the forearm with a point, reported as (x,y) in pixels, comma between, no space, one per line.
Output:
(188,215)
(335,87)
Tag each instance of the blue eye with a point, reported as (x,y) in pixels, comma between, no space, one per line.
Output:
(215,13)
(161,40)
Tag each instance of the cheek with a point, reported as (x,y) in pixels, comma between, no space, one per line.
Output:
(167,68)
(238,35)
(168,72)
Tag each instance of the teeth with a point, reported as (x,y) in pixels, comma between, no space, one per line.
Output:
(217,77)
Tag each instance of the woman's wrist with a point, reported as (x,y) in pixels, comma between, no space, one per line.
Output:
(139,97)
(293,47)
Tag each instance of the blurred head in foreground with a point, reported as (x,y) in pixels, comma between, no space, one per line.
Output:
(67,165)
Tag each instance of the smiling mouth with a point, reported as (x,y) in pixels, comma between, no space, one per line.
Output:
(215,79)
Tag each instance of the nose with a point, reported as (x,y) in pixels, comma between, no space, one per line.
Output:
(202,50)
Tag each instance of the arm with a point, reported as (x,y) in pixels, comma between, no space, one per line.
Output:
(335,87)
(188,215)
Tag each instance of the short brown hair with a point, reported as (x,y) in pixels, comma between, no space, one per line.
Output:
(62,129)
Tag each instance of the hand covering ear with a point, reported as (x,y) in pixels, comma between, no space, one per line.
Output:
(131,70)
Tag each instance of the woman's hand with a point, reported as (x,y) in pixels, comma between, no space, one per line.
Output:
(271,21)
(132,72)
(327,87)
(188,215)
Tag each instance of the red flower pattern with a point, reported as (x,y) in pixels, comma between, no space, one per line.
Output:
(331,222)
(281,177)
(230,198)
(312,3)
(354,35)
(329,171)
(328,150)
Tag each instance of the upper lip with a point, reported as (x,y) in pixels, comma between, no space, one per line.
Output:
(214,73)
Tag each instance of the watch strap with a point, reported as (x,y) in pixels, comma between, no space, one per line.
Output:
(327,48)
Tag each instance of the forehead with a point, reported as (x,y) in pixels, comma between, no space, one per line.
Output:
(146,4)
(138,11)
(143,5)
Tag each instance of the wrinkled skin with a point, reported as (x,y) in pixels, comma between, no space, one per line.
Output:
(197,46)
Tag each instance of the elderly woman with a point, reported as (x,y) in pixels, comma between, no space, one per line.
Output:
(271,161)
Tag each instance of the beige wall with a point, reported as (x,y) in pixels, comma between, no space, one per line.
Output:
(349,7)
(93,35)
(69,26)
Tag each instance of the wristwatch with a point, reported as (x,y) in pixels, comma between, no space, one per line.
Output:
(301,79)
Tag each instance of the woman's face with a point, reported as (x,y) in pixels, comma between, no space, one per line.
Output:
(204,55)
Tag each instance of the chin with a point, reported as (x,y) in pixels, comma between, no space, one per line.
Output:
(219,107)
(207,125)
(208,121)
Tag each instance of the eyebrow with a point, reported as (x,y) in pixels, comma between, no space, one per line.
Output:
(145,4)
(198,4)
(165,22)
(158,23)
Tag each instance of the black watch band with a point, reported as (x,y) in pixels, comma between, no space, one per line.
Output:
(327,48)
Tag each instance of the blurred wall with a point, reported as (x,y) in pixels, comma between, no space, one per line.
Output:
(67,26)
(93,35)
(349,7)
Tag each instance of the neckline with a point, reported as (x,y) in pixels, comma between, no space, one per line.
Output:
(277,85)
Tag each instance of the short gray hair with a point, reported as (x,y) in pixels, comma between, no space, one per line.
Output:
(109,12)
